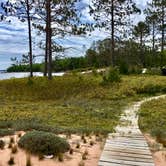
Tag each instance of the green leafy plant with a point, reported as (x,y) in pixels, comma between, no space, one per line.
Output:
(38,142)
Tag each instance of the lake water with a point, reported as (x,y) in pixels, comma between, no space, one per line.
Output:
(4,75)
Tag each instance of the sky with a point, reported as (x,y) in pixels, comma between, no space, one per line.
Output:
(14,39)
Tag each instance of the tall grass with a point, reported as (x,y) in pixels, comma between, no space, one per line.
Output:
(72,102)
(153,119)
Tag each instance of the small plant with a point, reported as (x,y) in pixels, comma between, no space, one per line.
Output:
(68,136)
(19,135)
(84,141)
(111,76)
(2,144)
(28,161)
(12,140)
(10,145)
(86,152)
(11,161)
(71,151)
(78,145)
(99,139)
(14,149)
(91,143)
(82,137)
(84,156)
(81,163)
(41,157)
(94,72)
(60,157)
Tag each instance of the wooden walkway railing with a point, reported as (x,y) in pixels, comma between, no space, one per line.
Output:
(127,147)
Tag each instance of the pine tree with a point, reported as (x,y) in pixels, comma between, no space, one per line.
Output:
(59,18)
(113,15)
(141,30)
(21,9)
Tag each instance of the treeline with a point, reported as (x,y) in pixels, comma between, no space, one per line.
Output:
(98,56)
(141,45)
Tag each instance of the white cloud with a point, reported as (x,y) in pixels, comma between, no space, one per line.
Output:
(14,38)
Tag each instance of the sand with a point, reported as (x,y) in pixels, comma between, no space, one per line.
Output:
(158,152)
(20,157)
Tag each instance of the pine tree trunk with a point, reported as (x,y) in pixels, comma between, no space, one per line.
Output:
(112,35)
(48,36)
(141,50)
(46,53)
(153,40)
(163,34)
(30,39)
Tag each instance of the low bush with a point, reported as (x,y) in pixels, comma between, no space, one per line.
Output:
(112,75)
(43,143)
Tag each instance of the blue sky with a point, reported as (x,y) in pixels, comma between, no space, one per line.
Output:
(14,38)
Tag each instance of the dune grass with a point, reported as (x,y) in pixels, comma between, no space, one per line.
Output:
(152,119)
(72,102)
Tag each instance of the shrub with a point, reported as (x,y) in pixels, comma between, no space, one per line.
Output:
(111,76)
(123,68)
(2,144)
(39,142)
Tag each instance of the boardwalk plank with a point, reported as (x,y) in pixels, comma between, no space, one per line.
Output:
(127,147)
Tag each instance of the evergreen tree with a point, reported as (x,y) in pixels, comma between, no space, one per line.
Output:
(141,30)
(160,6)
(58,18)
(113,15)
(23,10)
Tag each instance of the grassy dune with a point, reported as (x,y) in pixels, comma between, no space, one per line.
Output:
(72,102)
(153,119)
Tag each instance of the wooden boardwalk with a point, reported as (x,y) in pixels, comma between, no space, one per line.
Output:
(127,147)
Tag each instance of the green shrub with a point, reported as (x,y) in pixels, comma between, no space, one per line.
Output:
(123,68)
(39,142)
(2,144)
(112,75)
